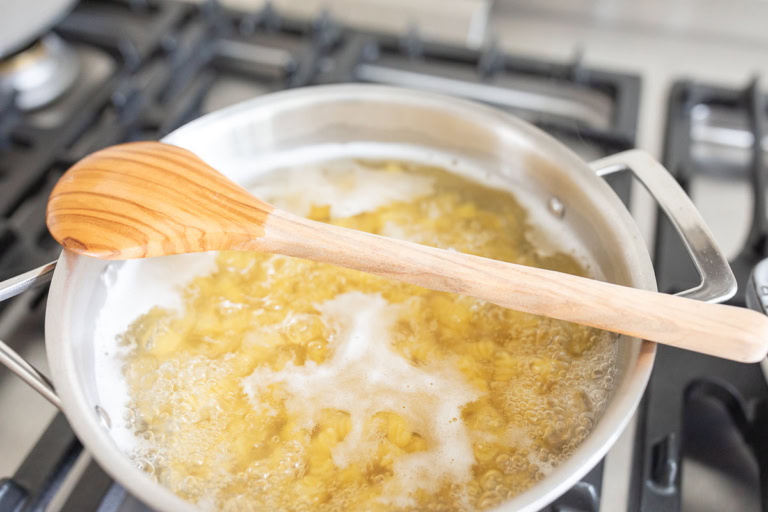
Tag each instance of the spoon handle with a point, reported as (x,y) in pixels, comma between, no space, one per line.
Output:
(724,331)
(147,199)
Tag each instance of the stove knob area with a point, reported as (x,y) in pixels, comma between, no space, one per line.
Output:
(756,296)
(757,288)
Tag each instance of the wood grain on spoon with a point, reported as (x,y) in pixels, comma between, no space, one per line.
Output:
(148,199)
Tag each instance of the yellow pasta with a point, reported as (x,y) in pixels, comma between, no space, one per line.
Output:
(216,392)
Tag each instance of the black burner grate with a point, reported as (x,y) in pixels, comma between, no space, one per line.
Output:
(700,410)
(150,67)
(726,152)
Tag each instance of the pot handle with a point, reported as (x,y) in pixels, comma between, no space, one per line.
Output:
(718,283)
(9,357)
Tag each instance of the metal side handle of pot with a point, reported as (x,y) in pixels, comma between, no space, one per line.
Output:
(9,357)
(717,280)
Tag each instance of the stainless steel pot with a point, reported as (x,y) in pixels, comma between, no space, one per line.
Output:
(552,180)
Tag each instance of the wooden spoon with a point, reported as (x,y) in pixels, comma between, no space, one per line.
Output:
(147,199)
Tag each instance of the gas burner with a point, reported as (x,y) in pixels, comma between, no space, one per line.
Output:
(701,444)
(40,73)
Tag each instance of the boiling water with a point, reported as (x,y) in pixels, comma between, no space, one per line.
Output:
(283,384)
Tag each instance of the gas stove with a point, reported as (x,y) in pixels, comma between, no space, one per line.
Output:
(705,419)
(143,69)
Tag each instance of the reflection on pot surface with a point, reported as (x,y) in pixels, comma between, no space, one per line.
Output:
(287,384)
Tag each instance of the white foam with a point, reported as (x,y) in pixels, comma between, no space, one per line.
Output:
(365,376)
(135,287)
(348,187)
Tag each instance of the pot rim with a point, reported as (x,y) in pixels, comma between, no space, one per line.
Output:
(625,399)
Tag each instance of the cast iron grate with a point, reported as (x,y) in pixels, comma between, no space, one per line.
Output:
(699,409)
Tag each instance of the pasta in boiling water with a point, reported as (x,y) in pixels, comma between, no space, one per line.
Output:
(286,384)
